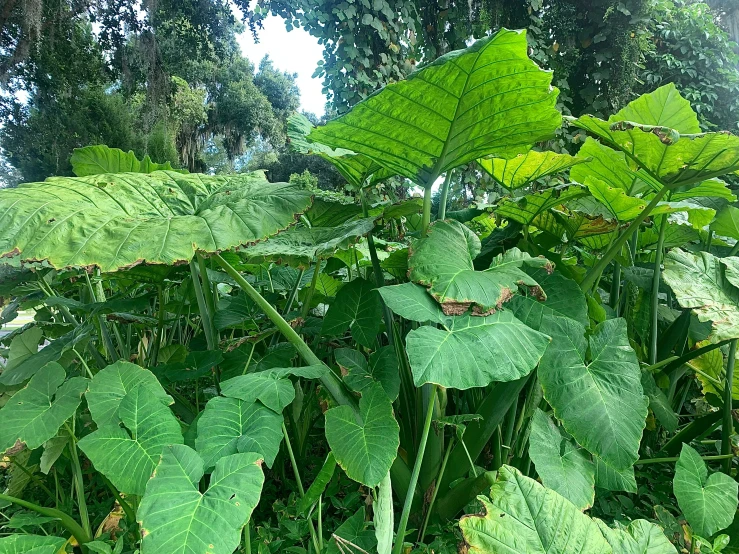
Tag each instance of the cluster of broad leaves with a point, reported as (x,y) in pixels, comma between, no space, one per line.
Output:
(504,339)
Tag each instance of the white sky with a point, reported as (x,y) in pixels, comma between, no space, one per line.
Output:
(295,52)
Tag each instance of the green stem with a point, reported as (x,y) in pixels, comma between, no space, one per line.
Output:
(79,485)
(160,328)
(426,221)
(655,289)
(675,459)
(209,298)
(293,293)
(728,424)
(311,289)
(734,249)
(615,287)
(330,381)
(692,430)
(444,195)
(202,306)
(247,537)
(594,274)
(66,520)
(299,482)
(104,334)
(399,538)
(422,533)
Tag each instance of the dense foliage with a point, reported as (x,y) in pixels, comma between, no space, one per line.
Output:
(220,363)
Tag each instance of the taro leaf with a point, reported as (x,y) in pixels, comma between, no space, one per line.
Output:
(607,165)
(21,520)
(353,536)
(726,223)
(710,371)
(700,283)
(359,374)
(301,245)
(675,235)
(318,486)
(562,465)
(230,425)
(196,365)
(175,517)
(27,366)
(523,516)
(31,544)
(396,264)
(527,208)
(355,168)
(128,455)
(525,168)
(234,311)
(331,212)
(659,403)
(713,188)
(564,299)
(383,516)
(35,413)
(639,537)
(474,351)
(451,277)
(114,221)
(270,387)
(53,448)
(673,159)
(403,209)
(611,479)
(412,302)
(709,502)
(665,107)
(601,402)
(94,160)
(366,445)
(357,308)
(110,385)
(489,99)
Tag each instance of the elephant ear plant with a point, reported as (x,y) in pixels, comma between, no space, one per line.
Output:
(229,364)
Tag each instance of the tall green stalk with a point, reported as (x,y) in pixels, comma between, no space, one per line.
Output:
(443,198)
(330,381)
(728,423)
(594,274)
(426,221)
(209,298)
(399,538)
(79,485)
(655,289)
(311,289)
(66,521)
(202,306)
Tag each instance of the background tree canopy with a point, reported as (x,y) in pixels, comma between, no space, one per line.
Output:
(168,79)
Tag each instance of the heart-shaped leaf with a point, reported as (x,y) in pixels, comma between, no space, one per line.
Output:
(110,385)
(230,425)
(31,544)
(709,502)
(601,401)
(562,464)
(523,516)
(357,308)
(359,373)
(114,221)
(175,517)
(474,351)
(35,413)
(411,301)
(564,298)
(128,454)
(489,99)
(518,172)
(364,445)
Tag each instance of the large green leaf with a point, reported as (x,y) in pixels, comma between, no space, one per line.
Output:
(601,401)
(526,209)
(525,168)
(230,425)
(664,107)
(489,99)
(607,165)
(359,373)
(700,283)
(301,245)
(521,516)
(94,160)
(638,537)
(726,223)
(357,169)
(709,502)
(128,454)
(114,221)
(564,299)
(443,262)
(364,445)
(31,544)
(110,385)
(357,308)
(562,465)
(176,518)
(271,387)
(35,413)
(474,351)
(412,302)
